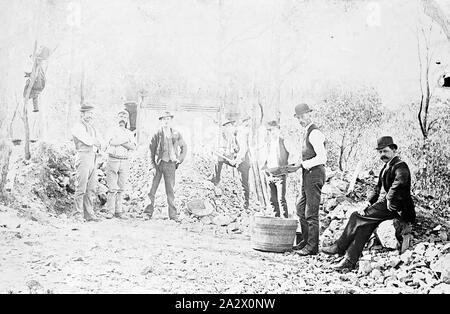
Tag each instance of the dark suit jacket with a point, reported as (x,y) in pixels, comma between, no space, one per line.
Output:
(157,147)
(395,178)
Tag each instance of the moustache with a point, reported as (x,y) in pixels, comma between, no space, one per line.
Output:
(384,158)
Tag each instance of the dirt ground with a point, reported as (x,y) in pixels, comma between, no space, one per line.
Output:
(45,252)
(53,255)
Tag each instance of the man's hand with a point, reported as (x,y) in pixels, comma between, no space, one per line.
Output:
(152,172)
(233,162)
(302,164)
(362,211)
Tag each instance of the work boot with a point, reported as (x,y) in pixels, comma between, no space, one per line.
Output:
(109,215)
(149,210)
(176,219)
(344,266)
(92,218)
(120,216)
(77,217)
(331,250)
(305,252)
(299,246)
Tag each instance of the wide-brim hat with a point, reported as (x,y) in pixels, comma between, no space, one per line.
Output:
(302,109)
(385,141)
(228,121)
(272,123)
(123,111)
(86,107)
(166,114)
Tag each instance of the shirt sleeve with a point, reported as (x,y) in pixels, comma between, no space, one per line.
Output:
(317,140)
(80,133)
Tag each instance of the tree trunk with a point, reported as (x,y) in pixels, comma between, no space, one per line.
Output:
(5,155)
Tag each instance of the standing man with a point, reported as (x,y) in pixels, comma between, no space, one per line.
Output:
(273,157)
(228,149)
(87,144)
(120,142)
(313,175)
(236,149)
(395,179)
(167,152)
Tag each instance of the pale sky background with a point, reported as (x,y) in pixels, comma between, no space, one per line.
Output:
(128,44)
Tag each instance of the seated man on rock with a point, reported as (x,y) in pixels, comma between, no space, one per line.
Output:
(395,179)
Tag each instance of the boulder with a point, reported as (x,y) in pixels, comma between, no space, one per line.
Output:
(442,288)
(339,183)
(376,274)
(365,267)
(222,220)
(200,208)
(330,191)
(386,234)
(442,266)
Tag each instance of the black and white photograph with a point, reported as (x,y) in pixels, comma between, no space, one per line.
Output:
(225,152)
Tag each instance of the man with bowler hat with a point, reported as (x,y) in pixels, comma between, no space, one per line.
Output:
(167,152)
(313,175)
(87,144)
(395,180)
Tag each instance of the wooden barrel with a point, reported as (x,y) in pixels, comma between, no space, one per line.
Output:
(273,234)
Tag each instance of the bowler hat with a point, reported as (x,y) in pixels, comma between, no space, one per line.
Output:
(86,107)
(301,109)
(165,115)
(385,141)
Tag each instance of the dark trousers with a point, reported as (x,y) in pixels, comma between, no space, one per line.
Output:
(277,187)
(308,205)
(166,169)
(359,228)
(244,171)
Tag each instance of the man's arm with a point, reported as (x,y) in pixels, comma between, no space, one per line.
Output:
(317,140)
(373,197)
(80,133)
(183,148)
(152,148)
(402,178)
(130,143)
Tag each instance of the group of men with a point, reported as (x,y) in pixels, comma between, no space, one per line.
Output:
(277,153)
(168,150)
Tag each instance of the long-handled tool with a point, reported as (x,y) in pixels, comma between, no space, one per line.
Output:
(226,158)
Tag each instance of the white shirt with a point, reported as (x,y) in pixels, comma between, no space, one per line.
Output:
(79,131)
(317,140)
(120,133)
(272,154)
